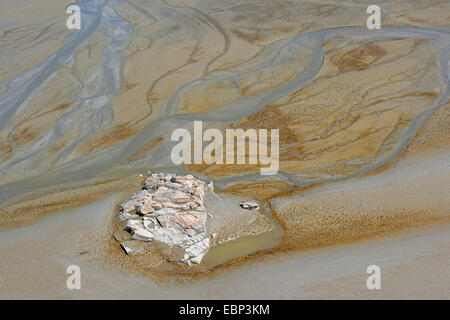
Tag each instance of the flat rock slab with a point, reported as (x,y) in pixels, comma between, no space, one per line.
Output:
(132,247)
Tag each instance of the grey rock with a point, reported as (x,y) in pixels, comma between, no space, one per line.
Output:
(145,209)
(249,205)
(132,224)
(142,234)
(137,199)
(123,216)
(151,185)
(150,223)
(132,247)
(164,211)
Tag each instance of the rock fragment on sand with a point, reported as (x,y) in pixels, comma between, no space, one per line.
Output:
(132,247)
(249,205)
(170,212)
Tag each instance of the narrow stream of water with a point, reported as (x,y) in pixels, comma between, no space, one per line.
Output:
(99,16)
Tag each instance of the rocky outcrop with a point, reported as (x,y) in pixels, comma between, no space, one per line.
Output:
(169,211)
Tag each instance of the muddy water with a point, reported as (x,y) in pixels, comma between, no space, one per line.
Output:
(243,246)
(225,212)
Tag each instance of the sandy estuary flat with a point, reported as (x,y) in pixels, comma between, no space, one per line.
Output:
(96,171)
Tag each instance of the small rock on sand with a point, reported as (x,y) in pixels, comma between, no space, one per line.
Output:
(249,205)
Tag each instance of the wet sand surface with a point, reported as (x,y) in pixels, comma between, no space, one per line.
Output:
(364,126)
(409,263)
